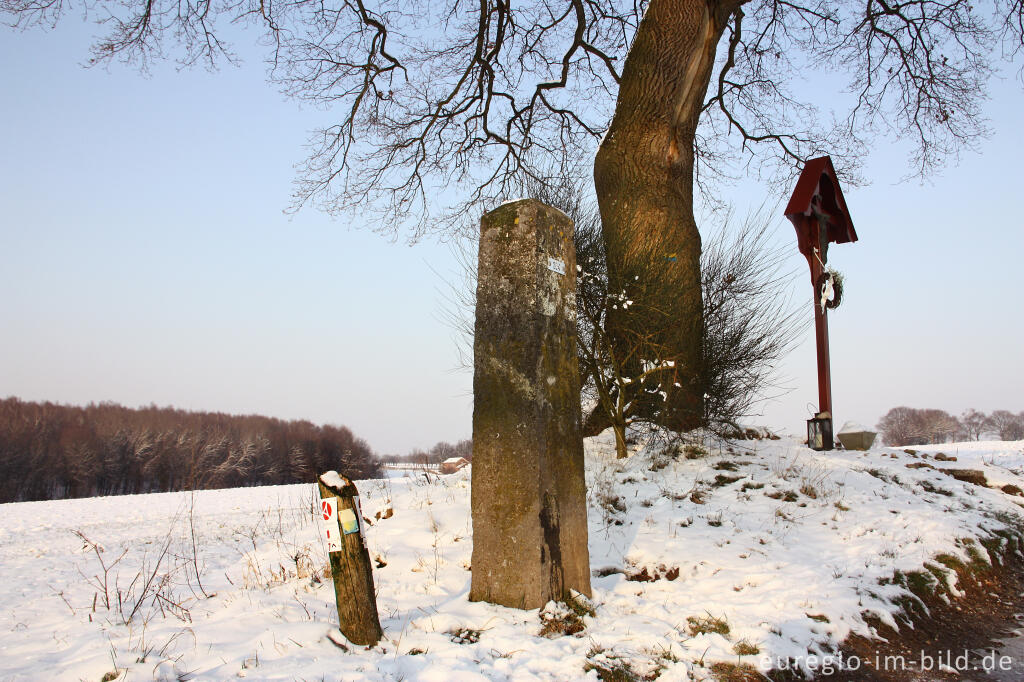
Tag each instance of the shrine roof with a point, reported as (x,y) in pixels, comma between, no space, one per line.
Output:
(818,181)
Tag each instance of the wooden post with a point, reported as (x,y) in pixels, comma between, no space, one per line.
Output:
(821,326)
(351,570)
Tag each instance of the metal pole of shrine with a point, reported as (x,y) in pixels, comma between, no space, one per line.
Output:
(818,211)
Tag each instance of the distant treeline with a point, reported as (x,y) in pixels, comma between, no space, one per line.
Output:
(50,451)
(913,426)
(440,452)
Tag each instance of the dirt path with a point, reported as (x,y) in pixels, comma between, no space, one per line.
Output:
(959,640)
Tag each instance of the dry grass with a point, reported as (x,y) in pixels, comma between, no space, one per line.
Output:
(699,625)
(733,672)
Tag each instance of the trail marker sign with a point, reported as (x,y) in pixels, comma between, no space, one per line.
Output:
(349,522)
(329,516)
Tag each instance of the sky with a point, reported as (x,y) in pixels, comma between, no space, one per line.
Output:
(145,257)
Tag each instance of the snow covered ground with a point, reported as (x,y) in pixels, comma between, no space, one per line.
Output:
(763,547)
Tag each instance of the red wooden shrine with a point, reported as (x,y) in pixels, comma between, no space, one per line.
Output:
(818,211)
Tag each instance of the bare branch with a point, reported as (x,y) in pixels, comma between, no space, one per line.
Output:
(462,100)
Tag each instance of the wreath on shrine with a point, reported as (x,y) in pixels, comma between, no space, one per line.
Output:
(834,279)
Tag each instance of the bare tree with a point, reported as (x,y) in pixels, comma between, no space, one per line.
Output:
(910,426)
(974,423)
(898,426)
(1010,426)
(935,426)
(671,94)
(749,324)
(622,384)
(620,397)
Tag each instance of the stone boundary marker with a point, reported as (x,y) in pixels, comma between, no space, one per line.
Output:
(529,493)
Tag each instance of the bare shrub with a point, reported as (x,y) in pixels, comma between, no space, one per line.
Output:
(750,323)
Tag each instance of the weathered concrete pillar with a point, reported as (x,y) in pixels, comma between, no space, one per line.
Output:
(529,493)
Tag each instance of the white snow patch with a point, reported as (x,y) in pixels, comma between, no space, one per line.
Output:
(333,479)
(854,427)
(788,546)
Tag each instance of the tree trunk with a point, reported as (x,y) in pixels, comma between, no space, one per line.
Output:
(620,439)
(644,174)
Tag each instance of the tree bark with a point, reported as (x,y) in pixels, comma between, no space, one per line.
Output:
(620,439)
(644,174)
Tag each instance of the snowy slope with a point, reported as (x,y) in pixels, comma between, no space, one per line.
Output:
(785,548)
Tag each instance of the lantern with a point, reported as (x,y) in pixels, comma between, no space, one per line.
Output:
(819,432)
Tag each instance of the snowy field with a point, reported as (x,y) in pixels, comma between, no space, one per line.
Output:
(749,553)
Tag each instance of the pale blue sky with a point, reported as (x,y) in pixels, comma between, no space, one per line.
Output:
(145,257)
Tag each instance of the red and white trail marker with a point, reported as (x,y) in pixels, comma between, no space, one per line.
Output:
(329,517)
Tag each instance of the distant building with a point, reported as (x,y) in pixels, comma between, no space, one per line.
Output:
(453,464)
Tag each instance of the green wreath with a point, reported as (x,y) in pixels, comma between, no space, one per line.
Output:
(837,287)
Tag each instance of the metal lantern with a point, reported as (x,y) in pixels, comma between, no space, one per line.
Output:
(819,432)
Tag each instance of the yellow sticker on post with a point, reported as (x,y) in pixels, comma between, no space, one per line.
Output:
(349,522)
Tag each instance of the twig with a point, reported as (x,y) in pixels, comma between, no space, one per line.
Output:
(195,552)
(149,580)
(62,598)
